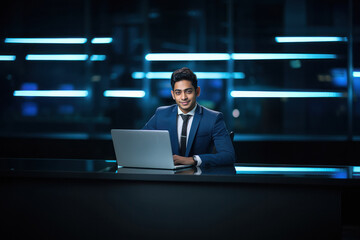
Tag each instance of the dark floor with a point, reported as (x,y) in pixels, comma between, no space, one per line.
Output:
(351,233)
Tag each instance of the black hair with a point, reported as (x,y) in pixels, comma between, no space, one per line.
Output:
(183,74)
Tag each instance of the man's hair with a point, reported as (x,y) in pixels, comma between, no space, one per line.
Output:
(183,74)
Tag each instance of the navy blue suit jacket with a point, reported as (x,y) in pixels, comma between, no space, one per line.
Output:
(208,129)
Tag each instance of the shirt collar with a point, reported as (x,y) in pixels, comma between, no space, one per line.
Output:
(192,112)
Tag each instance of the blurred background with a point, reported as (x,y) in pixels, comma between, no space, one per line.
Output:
(286,74)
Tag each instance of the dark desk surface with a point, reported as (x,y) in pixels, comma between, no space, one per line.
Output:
(246,173)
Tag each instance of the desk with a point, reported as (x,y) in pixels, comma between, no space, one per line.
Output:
(91,199)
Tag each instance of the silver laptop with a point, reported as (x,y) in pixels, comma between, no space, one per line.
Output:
(144,149)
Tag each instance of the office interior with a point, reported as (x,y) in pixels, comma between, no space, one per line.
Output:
(285,74)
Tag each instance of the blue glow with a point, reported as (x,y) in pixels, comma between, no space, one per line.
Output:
(234,56)
(187,56)
(7,58)
(284,94)
(339,77)
(98,58)
(125,93)
(240,169)
(200,75)
(110,161)
(66,109)
(56,57)
(47,40)
(101,40)
(309,39)
(278,56)
(356,74)
(29,109)
(356,169)
(51,93)
(29,86)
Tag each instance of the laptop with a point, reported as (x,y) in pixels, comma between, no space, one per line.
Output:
(144,149)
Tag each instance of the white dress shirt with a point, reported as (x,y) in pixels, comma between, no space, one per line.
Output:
(179,129)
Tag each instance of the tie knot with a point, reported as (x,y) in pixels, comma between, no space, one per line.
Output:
(185,117)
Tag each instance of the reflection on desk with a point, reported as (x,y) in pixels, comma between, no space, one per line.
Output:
(109,168)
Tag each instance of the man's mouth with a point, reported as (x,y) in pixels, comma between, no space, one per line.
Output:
(185,103)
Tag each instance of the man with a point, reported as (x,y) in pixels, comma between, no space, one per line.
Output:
(194,130)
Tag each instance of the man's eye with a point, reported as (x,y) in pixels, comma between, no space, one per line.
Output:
(189,91)
(177,93)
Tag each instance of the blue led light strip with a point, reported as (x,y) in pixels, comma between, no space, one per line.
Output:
(51,93)
(280,56)
(98,58)
(125,93)
(64,57)
(240,169)
(47,40)
(234,56)
(200,75)
(56,57)
(356,74)
(102,40)
(187,56)
(356,169)
(285,94)
(309,39)
(7,58)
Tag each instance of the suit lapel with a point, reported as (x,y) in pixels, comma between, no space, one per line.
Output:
(194,127)
(174,132)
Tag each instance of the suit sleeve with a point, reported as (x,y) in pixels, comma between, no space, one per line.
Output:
(225,151)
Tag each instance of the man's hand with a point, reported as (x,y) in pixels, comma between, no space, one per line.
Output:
(179,160)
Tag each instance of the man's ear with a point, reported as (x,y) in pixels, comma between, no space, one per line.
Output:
(198,91)
(172,94)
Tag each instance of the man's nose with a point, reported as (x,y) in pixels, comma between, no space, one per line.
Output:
(183,95)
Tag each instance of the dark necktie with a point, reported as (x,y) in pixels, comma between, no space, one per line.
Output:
(183,134)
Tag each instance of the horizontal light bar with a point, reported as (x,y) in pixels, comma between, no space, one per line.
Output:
(110,161)
(309,39)
(234,56)
(240,169)
(51,93)
(278,56)
(356,169)
(47,40)
(284,94)
(356,74)
(98,58)
(56,57)
(200,75)
(102,40)
(125,93)
(7,58)
(187,56)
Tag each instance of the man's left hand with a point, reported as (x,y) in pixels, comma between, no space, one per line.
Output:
(179,160)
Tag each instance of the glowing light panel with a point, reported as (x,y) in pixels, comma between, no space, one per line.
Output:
(200,75)
(101,40)
(278,56)
(50,93)
(240,169)
(98,58)
(187,56)
(356,74)
(125,93)
(309,39)
(47,40)
(56,57)
(284,94)
(7,58)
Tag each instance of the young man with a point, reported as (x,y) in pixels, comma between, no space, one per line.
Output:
(194,130)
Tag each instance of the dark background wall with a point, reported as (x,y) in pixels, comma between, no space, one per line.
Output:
(273,129)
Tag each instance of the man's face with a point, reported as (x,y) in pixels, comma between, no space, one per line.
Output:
(185,95)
